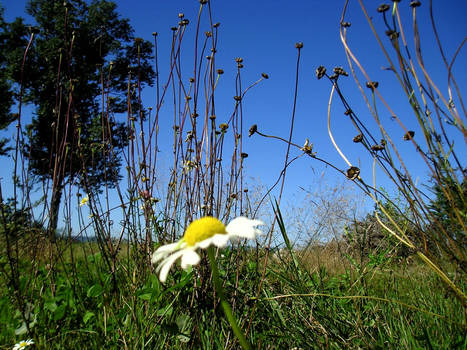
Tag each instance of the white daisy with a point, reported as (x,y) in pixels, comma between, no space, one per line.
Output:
(23,344)
(202,233)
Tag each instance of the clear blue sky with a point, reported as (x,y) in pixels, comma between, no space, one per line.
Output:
(264,34)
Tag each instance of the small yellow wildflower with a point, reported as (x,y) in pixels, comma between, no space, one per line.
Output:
(202,233)
(84,201)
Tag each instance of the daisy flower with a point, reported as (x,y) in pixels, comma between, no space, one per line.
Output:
(23,344)
(202,233)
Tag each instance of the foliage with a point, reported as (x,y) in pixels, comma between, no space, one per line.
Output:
(76,73)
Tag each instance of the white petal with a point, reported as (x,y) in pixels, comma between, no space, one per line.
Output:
(166,264)
(220,240)
(244,228)
(189,257)
(205,243)
(163,251)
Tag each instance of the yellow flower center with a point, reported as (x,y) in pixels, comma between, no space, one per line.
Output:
(202,229)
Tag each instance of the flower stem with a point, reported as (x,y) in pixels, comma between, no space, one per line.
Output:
(225,305)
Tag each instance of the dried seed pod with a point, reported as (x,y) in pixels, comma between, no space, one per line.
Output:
(265,76)
(320,72)
(346,24)
(238,59)
(208,34)
(409,135)
(220,71)
(358,138)
(223,127)
(237,98)
(243,155)
(414,4)
(383,8)
(372,85)
(307,147)
(212,117)
(392,34)
(352,172)
(299,45)
(340,71)
(377,148)
(252,130)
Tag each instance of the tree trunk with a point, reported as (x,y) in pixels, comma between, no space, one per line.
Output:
(55,200)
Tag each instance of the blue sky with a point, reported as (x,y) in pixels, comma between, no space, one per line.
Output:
(264,34)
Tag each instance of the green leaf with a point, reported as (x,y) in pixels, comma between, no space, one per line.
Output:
(87,316)
(146,296)
(166,311)
(95,291)
(59,312)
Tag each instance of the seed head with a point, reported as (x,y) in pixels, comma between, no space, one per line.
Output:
(220,71)
(265,76)
(237,98)
(352,172)
(299,45)
(340,71)
(307,147)
(238,59)
(414,4)
(372,85)
(377,148)
(409,135)
(383,8)
(223,127)
(392,34)
(243,155)
(320,72)
(346,24)
(252,130)
(358,138)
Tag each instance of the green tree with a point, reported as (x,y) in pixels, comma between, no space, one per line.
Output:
(6,96)
(77,72)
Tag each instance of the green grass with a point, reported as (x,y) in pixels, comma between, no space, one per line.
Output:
(82,305)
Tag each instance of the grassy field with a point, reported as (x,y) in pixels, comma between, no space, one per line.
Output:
(299,303)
